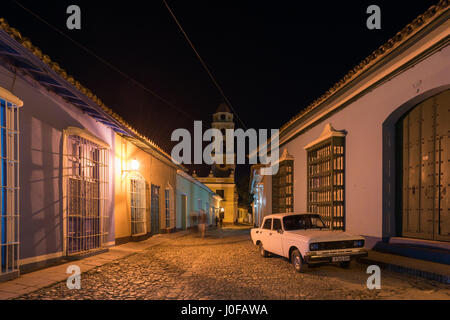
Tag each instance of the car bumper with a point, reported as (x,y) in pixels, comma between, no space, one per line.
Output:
(328,258)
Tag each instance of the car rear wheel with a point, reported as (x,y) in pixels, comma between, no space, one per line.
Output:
(262,252)
(297,261)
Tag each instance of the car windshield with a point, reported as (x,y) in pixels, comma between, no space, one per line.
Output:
(303,221)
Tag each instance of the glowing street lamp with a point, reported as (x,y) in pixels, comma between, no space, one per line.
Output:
(135,165)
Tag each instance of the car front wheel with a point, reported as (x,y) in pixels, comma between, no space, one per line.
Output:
(262,252)
(297,261)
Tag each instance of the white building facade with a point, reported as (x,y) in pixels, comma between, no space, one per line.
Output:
(372,155)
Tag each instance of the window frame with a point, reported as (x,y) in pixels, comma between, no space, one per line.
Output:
(283,187)
(10,185)
(218,191)
(326,178)
(86,166)
(271,222)
(139,205)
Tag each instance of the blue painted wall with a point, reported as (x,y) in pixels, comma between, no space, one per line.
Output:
(43,118)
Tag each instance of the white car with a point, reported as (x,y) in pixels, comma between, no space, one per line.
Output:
(304,239)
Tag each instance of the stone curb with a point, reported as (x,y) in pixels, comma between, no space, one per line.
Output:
(442,278)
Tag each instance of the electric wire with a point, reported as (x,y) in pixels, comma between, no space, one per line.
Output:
(123,74)
(203,63)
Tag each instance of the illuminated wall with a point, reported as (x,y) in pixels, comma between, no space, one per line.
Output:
(155,169)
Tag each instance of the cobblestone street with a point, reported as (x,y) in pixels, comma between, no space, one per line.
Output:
(226,265)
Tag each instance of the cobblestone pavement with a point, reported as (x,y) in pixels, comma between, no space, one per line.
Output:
(226,265)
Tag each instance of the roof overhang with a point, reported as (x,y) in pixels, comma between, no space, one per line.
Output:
(426,35)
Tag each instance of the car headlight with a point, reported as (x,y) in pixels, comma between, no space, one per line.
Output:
(314,246)
(358,243)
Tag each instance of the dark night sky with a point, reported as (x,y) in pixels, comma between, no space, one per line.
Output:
(272,58)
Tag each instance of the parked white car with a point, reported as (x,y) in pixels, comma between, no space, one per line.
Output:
(304,239)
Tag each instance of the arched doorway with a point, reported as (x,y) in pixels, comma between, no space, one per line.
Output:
(423,157)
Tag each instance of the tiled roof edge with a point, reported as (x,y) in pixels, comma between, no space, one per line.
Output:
(26,42)
(378,54)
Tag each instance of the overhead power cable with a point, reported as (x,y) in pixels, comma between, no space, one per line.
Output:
(123,74)
(203,63)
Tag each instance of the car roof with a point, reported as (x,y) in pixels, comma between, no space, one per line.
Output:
(282,215)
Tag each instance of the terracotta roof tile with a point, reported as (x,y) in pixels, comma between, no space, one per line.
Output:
(25,42)
(377,55)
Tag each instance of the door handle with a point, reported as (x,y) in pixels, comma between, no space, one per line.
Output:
(270,234)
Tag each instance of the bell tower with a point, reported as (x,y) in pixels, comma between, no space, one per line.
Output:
(222,120)
(221,176)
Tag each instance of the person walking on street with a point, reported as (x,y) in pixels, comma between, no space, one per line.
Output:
(202,223)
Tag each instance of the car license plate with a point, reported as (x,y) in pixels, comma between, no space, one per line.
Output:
(340,258)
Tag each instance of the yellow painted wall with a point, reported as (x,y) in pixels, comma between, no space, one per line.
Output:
(229,203)
(153,170)
(243,215)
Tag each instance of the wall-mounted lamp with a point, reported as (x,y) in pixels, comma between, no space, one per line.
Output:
(134,166)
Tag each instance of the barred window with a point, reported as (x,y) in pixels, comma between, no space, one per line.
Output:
(283,188)
(9,175)
(169,207)
(87,218)
(326,178)
(137,205)
(221,193)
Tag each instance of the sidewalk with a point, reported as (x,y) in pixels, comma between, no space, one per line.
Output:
(33,281)
(415,267)
(238,226)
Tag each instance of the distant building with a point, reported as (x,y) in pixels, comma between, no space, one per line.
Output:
(221,177)
(372,154)
(193,197)
(243,215)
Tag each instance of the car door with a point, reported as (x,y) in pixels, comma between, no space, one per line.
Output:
(276,238)
(264,233)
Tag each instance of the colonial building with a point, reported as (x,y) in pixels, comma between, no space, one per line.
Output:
(243,215)
(193,197)
(372,155)
(221,177)
(145,189)
(58,151)
(76,178)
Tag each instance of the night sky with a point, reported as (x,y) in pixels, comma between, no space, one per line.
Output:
(271,58)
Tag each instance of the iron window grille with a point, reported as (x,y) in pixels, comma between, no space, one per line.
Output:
(9,216)
(138,206)
(169,208)
(87,216)
(325,176)
(283,188)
